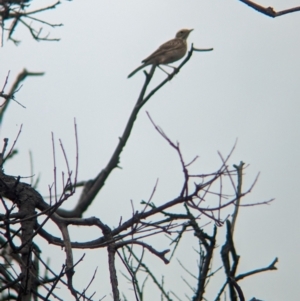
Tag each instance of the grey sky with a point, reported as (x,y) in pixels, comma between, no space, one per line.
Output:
(246,89)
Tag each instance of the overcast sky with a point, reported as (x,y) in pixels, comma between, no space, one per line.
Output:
(247,89)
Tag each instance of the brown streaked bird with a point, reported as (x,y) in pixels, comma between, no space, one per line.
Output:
(168,52)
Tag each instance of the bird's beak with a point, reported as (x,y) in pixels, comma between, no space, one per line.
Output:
(191,30)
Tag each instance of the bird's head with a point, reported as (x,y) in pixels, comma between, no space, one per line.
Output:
(183,33)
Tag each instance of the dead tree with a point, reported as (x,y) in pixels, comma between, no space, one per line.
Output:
(16,12)
(200,197)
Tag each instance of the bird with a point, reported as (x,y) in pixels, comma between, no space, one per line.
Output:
(168,52)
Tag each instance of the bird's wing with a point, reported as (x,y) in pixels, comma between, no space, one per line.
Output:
(168,46)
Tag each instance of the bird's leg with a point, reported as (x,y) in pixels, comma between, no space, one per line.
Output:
(163,69)
(159,66)
(175,68)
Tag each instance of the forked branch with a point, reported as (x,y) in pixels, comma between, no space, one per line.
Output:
(269,11)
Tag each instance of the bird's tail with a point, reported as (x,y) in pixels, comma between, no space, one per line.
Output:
(136,70)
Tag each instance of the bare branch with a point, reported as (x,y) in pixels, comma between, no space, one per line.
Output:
(269,11)
(160,255)
(17,12)
(11,94)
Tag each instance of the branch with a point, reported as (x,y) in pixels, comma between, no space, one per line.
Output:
(239,169)
(112,271)
(152,276)
(16,11)
(21,76)
(271,267)
(269,11)
(96,184)
(160,255)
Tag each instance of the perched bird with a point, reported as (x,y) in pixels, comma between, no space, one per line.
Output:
(168,52)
